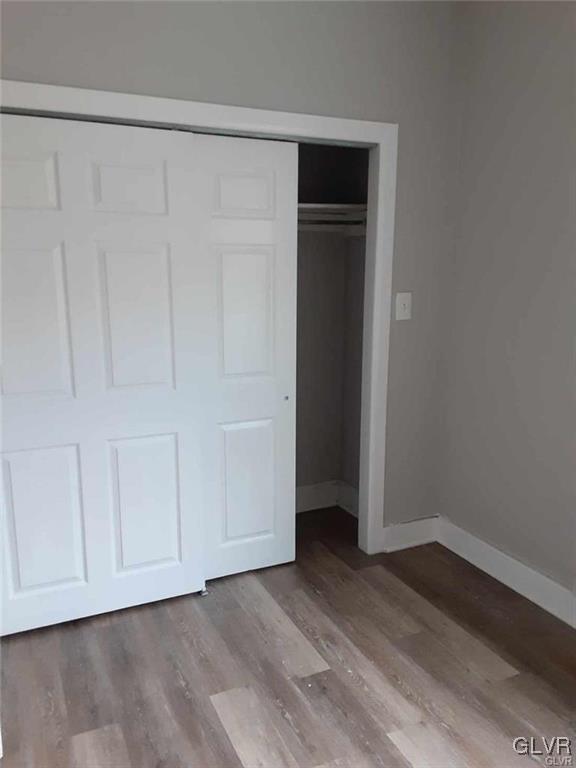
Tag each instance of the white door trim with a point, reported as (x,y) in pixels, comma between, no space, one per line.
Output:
(381,138)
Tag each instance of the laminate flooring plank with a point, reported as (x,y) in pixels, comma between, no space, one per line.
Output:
(88,691)
(441,704)
(374,692)
(191,634)
(18,703)
(336,529)
(529,638)
(309,739)
(464,720)
(536,708)
(478,657)
(350,595)
(296,655)
(101,748)
(44,740)
(251,730)
(480,697)
(425,746)
(152,735)
(444,666)
(360,732)
(357,760)
(185,686)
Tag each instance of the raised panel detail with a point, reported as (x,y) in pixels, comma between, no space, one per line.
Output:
(137,306)
(45,522)
(130,188)
(246,310)
(36,332)
(248,479)
(250,195)
(30,182)
(146,503)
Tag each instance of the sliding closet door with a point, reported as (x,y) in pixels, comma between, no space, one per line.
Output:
(247,227)
(145,346)
(102,490)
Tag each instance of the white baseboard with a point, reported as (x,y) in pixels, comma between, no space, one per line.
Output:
(317,496)
(548,594)
(330,494)
(405,535)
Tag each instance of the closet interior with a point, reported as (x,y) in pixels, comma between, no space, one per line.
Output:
(332,199)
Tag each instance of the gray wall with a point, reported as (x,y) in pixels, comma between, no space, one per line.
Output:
(372,61)
(330,313)
(507,455)
(320,369)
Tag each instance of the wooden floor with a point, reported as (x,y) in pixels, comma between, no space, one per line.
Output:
(341,659)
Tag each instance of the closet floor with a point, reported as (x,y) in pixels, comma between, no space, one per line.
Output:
(340,659)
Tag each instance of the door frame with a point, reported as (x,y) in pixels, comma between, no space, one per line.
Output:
(382,141)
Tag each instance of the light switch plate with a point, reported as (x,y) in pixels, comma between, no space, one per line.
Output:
(403,306)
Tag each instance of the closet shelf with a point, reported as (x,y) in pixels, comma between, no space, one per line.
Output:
(327,217)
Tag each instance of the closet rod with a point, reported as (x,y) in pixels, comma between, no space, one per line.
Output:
(329,217)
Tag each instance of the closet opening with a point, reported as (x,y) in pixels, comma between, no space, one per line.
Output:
(332,206)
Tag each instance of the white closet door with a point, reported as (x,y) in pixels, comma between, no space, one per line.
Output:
(108,337)
(100,452)
(247,226)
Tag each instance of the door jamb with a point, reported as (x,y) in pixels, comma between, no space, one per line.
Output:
(380,138)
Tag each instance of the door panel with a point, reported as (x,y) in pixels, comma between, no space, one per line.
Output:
(136,297)
(146,505)
(245,193)
(36,319)
(248,480)
(249,225)
(123,188)
(247,310)
(45,518)
(30,180)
